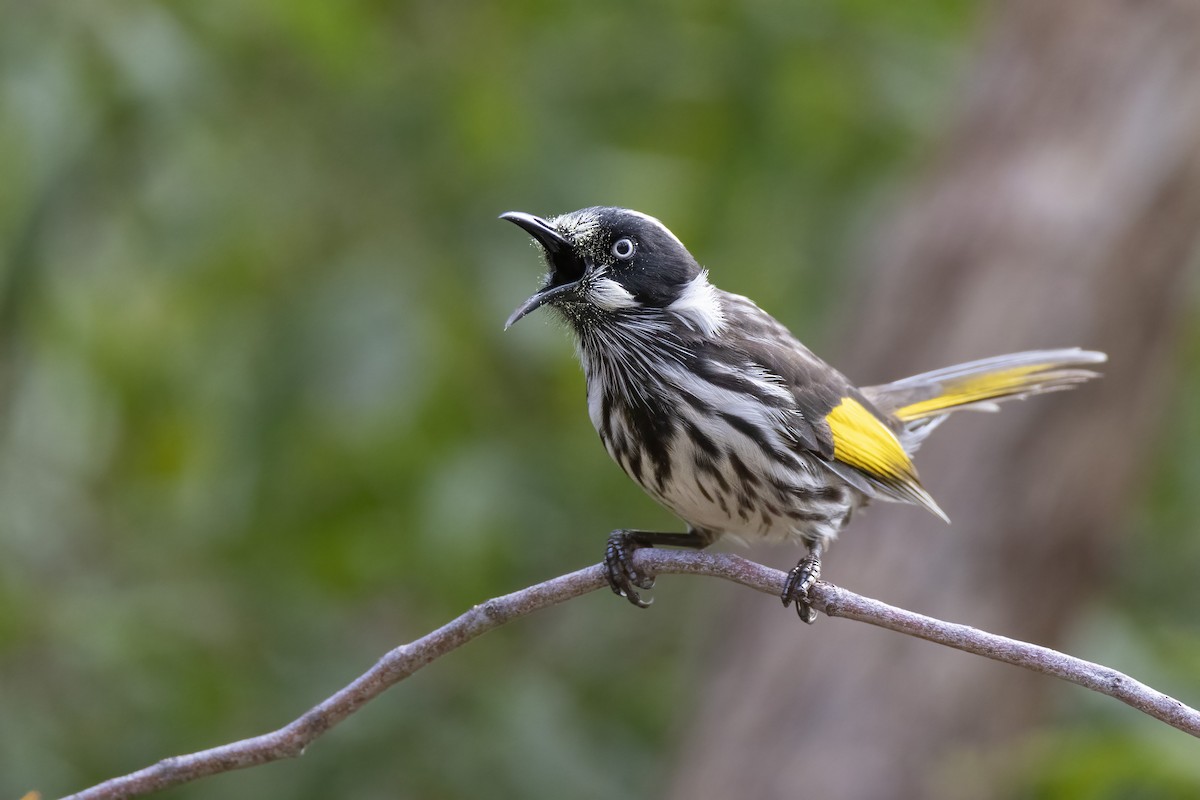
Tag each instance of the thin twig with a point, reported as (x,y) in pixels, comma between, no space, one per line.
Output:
(290,740)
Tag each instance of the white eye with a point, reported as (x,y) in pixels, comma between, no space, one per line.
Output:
(623,248)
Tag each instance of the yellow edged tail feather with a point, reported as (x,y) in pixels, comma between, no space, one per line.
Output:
(979,384)
(866,448)
(977,389)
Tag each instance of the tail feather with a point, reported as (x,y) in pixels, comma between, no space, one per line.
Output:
(923,400)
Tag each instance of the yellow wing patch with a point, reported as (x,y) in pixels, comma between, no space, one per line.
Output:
(977,389)
(861,440)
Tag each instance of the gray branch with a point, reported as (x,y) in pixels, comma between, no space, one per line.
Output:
(291,740)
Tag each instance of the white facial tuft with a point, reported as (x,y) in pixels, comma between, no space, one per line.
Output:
(699,306)
(609,295)
(578,225)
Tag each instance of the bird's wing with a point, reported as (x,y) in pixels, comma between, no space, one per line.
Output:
(835,421)
(852,436)
(862,441)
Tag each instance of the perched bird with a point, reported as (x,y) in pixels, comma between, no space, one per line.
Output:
(714,408)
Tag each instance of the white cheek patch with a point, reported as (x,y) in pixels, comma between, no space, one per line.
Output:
(609,295)
(699,306)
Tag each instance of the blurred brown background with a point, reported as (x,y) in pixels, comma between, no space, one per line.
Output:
(258,423)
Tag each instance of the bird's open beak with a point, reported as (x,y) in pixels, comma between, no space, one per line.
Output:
(566,268)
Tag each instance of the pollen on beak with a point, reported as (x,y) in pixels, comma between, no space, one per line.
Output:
(566,267)
(541,230)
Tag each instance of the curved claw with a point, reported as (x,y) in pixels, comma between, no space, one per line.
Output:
(800,580)
(623,577)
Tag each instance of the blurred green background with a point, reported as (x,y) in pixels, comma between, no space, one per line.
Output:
(260,423)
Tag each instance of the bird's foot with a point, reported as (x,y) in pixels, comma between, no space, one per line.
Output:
(799,581)
(623,577)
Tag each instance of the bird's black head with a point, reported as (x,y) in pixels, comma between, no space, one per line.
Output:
(606,261)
